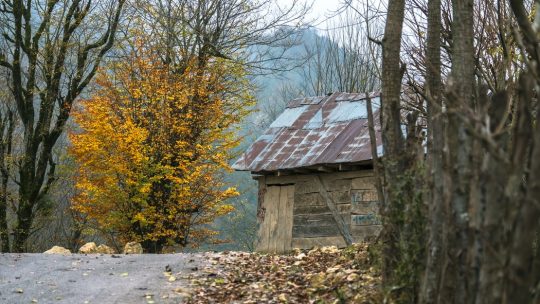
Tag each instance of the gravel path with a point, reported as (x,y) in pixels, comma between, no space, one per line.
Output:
(79,278)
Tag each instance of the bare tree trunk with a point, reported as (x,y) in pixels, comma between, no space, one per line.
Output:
(47,73)
(434,197)
(7,128)
(4,231)
(458,162)
(391,136)
(520,276)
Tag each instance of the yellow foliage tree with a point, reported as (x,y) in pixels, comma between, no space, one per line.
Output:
(152,146)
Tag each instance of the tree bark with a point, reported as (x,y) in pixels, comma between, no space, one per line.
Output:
(392,137)
(520,276)
(458,163)
(7,128)
(432,275)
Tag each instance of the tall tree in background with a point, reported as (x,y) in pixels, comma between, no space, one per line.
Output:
(7,126)
(255,34)
(402,208)
(434,196)
(340,60)
(153,147)
(391,135)
(51,51)
(458,159)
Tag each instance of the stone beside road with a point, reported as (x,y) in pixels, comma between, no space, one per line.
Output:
(105,249)
(91,248)
(88,248)
(58,250)
(133,248)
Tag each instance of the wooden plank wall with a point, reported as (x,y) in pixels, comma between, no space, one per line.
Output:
(313,223)
(296,216)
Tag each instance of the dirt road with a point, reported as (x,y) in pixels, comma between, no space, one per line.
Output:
(77,278)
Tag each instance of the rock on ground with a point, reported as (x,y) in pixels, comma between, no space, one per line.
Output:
(88,248)
(58,250)
(133,248)
(105,249)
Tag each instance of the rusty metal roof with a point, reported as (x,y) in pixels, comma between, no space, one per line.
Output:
(315,131)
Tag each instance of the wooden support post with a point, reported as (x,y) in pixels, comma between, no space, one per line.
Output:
(283,172)
(377,166)
(342,225)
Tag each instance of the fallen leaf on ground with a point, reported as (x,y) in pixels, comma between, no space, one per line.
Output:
(320,275)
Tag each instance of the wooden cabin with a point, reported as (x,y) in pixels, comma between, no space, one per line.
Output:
(315,174)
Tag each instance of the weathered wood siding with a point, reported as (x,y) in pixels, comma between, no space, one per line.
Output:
(275,218)
(312,222)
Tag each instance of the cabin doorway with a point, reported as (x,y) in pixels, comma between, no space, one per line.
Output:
(275,228)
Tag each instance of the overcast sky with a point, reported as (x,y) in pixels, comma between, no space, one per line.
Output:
(320,8)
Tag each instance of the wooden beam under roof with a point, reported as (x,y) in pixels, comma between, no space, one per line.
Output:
(283,172)
(302,170)
(325,168)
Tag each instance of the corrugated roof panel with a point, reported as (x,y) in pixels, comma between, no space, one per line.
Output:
(315,122)
(313,131)
(288,117)
(347,111)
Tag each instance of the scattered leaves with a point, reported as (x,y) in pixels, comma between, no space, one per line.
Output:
(321,275)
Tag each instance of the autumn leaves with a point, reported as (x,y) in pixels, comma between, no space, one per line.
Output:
(152,145)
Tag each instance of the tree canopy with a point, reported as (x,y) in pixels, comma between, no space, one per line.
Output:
(152,146)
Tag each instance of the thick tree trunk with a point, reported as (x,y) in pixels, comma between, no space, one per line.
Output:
(150,246)
(392,137)
(520,276)
(458,163)
(432,276)
(24,225)
(8,126)
(4,232)
(502,187)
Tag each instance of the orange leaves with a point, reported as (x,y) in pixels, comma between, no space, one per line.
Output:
(321,275)
(153,145)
